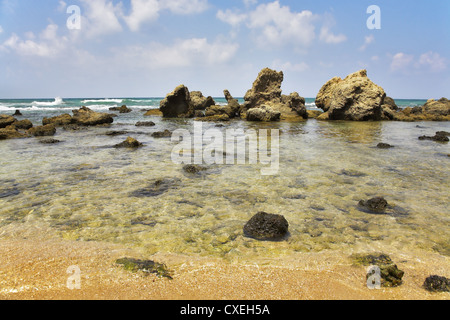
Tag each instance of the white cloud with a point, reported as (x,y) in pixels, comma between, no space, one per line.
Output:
(100,18)
(401,61)
(367,41)
(142,11)
(249,3)
(288,66)
(1,30)
(432,61)
(182,53)
(328,37)
(277,25)
(185,6)
(62,6)
(48,44)
(231,17)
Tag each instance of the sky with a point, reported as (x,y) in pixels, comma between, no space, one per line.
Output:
(145,48)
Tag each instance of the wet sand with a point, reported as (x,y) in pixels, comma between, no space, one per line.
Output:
(36,269)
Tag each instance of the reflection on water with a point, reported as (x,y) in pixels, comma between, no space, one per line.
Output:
(85,190)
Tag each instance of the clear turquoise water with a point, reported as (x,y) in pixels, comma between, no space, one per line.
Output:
(82,189)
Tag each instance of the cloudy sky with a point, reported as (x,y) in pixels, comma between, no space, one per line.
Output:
(145,48)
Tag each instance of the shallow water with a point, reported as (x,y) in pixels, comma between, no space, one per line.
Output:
(83,189)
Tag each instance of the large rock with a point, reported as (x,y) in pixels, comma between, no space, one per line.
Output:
(263,113)
(11,132)
(42,131)
(265,226)
(267,91)
(200,102)
(440,107)
(6,120)
(177,104)
(354,98)
(87,117)
(62,120)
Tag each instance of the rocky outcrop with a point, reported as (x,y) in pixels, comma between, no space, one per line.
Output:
(230,111)
(354,98)
(267,91)
(440,107)
(6,121)
(23,124)
(62,120)
(177,104)
(11,132)
(200,102)
(265,226)
(86,117)
(42,131)
(388,109)
(130,143)
(122,109)
(263,113)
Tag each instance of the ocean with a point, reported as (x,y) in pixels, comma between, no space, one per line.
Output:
(84,189)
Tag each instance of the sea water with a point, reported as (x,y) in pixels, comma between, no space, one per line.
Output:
(83,189)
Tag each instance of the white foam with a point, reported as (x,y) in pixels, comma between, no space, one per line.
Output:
(102,101)
(58,101)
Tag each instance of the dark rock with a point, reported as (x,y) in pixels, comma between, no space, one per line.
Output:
(146,266)
(377,205)
(6,121)
(122,109)
(384,146)
(116,133)
(437,284)
(129,143)
(352,173)
(49,141)
(265,226)
(17,113)
(441,136)
(9,192)
(23,124)
(62,120)
(162,134)
(177,104)
(145,124)
(194,169)
(156,188)
(42,131)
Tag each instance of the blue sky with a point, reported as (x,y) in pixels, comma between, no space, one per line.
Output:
(145,48)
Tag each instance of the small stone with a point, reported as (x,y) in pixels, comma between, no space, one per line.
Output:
(384,146)
(129,143)
(437,284)
(162,134)
(377,204)
(145,124)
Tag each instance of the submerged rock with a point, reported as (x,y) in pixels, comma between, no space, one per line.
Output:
(145,124)
(354,98)
(376,205)
(194,169)
(49,141)
(437,284)
(440,136)
(162,134)
(177,104)
(146,266)
(156,188)
(265,226)
(129,143)
(384,146)
(122,109)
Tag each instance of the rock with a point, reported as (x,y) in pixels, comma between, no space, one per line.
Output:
(267,91)
(162,134)
(11,133)
(156,188)
(49,141)
(384,146)
(17,113)
(116,133)
(391,275)
(62,120)
(194,169)
(122,109)
(376,205)
(437,284)
(263,113)
(353,98)
(153,112)
(145,124)
(216,118)
(314,114)
(146,266)
(440,107)
(129,143)
(43,131)
(200,102)
(6,121)
(177,104)
(23,124)
(441,136)
(86,117)
(390,103)
(265,226)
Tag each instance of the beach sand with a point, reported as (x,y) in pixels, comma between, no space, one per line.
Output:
(36,269)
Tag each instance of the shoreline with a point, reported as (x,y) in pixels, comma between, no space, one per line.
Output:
(36,269)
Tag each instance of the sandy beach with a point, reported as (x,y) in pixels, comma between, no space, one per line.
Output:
(35,269)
